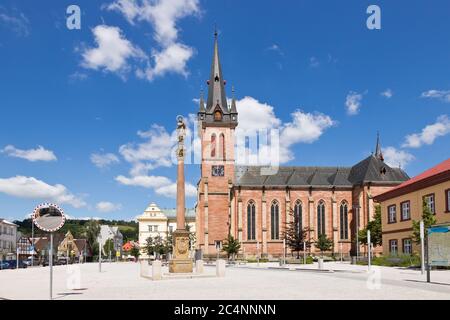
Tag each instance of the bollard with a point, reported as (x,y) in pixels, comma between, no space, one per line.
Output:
(320,263)
(156,270)
(144,268)
(220,268)
(199,266)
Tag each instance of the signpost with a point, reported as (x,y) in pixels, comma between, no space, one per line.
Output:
(50,218)
(438,247)
(422,246)
(369,245)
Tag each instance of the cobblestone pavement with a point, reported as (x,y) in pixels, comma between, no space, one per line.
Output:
(250,281)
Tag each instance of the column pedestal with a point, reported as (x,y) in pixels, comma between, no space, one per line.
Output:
(181,262)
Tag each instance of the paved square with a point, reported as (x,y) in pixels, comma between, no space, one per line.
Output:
(268,281)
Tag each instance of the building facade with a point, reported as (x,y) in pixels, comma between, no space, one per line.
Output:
(111,233)
(254,204)
(8,240)
(160,222)
(403,204)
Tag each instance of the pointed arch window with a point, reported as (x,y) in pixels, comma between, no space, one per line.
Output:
(321,218)
(275,221)
(213,145)
(251,223)
(222,146)
(298,215)
(344,220)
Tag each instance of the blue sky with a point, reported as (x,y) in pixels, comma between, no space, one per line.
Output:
(101,101)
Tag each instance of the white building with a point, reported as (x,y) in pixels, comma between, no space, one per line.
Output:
(8,240)
(155,221)
(113,233)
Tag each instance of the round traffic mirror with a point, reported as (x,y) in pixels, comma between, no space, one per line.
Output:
(48,217)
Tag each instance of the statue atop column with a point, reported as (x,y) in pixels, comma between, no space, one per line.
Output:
(181,262)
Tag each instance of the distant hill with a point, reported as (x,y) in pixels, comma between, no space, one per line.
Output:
(129,229)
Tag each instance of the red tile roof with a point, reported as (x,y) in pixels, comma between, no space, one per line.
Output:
(431,176)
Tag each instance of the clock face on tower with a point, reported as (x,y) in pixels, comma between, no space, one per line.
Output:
(217,171)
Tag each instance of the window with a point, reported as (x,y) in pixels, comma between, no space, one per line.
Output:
(393,247)
(407,246)
(155,228)
(344,220)
(217,116)
(213,145)
(429,199)
(150,228)
(251,221)
(170,229)
(447,200)
(392,214)
(222,146)
(320,218)
(406,210)
(298,217)
(275,221)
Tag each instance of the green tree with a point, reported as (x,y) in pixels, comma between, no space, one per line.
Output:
(231,246)
(374,226)
(324,243)
(92,230)
(149,247)
(428,218)
(135,252)
(109,247)
(295,236)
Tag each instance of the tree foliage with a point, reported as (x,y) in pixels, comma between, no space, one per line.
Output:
(295,236)
(374,226)
(428,218)
(231,246)
(324,243)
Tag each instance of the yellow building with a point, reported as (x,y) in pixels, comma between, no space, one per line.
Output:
(403,204)
(160,222)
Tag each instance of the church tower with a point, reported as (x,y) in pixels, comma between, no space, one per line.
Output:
(217,122)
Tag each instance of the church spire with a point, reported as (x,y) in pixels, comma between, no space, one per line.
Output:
(378,153)
(216,84)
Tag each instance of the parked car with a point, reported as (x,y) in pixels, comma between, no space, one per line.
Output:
(12,264)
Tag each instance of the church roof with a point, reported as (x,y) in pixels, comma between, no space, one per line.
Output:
(371,170)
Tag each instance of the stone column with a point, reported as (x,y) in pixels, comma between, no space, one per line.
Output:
(181,262)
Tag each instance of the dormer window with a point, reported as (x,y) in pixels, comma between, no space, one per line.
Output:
(217,116)
(216,79)
(383,170)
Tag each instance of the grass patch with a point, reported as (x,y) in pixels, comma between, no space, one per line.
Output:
(394,261)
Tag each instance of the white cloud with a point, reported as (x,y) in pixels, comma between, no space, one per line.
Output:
(38,154)
(161,185)
(276,48)
(353,102)
(104,160)
(152,182)
(258,118)
(443,95)
(438,129)
(172,59)
(105,206)
(154,152)
(387,93)
(163,15)
(112,52)
(314,62)
(170,190)
(32,188)
(396,158)
(16,21)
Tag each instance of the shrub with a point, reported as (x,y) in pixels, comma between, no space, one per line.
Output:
(394,261)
